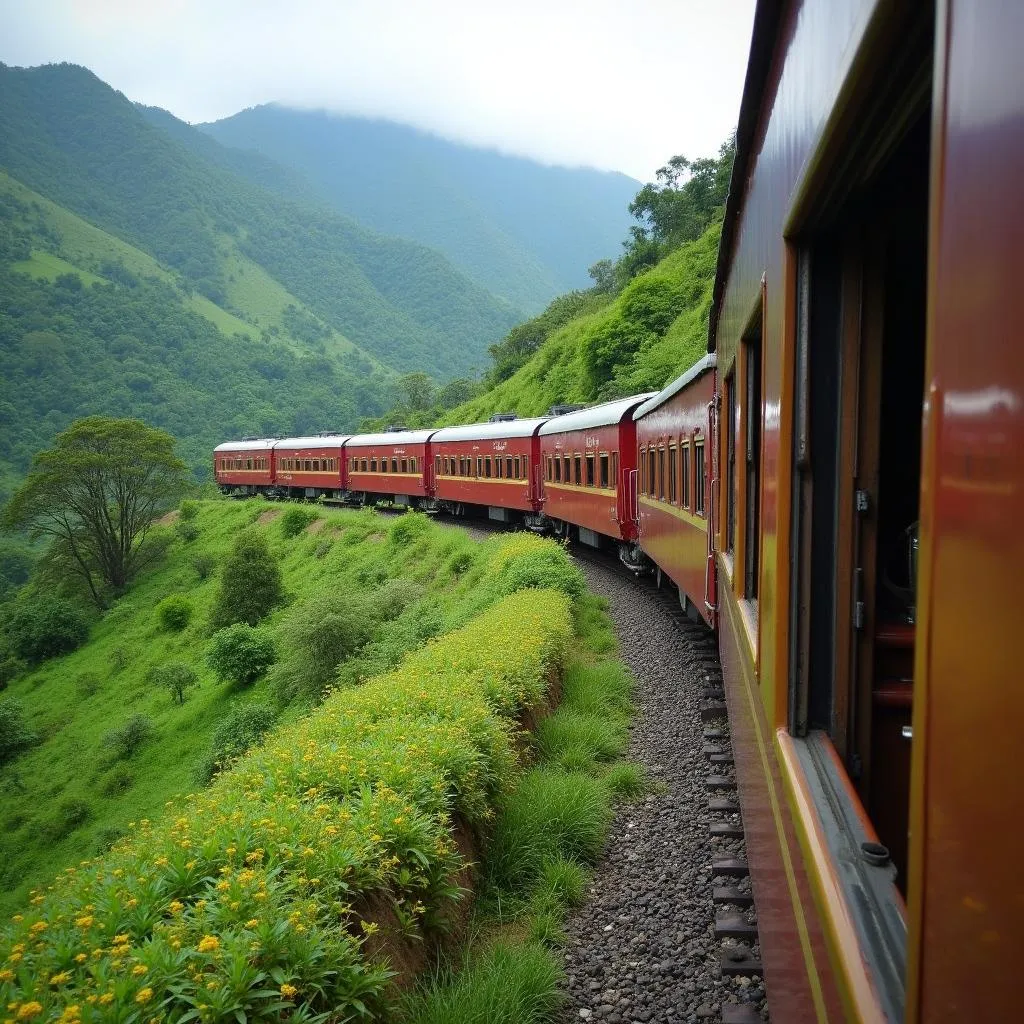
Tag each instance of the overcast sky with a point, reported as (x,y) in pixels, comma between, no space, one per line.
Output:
(615,84)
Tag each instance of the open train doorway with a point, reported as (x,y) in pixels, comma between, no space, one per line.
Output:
(860,369)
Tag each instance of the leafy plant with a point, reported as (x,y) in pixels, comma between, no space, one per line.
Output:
(188,509)
(187,530)
(125,739)
(204,565)
(174,676)
(174,612)
(15,735)
(45,627)
(69,815)
(296,518)
(239,731)
(240,654)
(250,585)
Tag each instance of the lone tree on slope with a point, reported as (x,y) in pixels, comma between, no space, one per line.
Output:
(96,493)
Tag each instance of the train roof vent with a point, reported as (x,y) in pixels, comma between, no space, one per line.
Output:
(561,410)
(502,417)
(255,437)
(328,433)
(393,428)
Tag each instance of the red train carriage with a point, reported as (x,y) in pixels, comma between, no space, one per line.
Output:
(866,319)
(245,467)
(494,465)
(307,467)
(674,444)
(391,466)
(588,466)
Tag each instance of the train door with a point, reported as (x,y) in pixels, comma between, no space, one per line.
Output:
(859,366)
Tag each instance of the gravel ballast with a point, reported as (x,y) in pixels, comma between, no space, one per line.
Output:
(642,947)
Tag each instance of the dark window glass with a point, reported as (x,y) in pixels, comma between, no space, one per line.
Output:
(604,469)
(698,477)
(652,456)
(518,477)
(576,476)
(672,474)
(661,473)
(590,470)
(730,464)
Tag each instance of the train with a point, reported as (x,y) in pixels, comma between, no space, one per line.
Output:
(836,489)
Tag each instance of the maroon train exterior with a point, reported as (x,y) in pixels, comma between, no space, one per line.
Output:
(492,465)
(395,465)
(589,471)
(674,459)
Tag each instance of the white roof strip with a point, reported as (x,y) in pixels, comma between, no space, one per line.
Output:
(709,362)
(596,416)
(486,431)
(331,441)
(392,437)
(263,444)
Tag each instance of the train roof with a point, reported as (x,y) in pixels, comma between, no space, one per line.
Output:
(262,444)
(698,369)
(391,437)
(320,441)
(596,416)
(485,431)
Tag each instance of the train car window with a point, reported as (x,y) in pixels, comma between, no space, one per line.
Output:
(364,465)
(641,472)
(684,474)
(673,474)
(413,464)
(498,467)
(590,469)
(558,471)
(577,475)
(248,463)
(405,465)
(373,465)
(437,465)
(730,463)
(549,476)
(698,476)
(603,460)
(316,465)
(615,469)
(652,456)
(307,465)
(566,471)
(487,468)
(518,477)
(479,467)
(526,467)
(661,472)
(752,454)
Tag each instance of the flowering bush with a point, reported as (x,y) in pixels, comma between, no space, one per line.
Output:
(243,903)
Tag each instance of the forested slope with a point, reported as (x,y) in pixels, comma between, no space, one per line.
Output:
(524,230)
(70,137)
(637,341)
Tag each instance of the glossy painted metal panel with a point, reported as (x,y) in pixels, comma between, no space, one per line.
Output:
(289,478)
(967,902)
(676,539)
(591,507)
(389,483)
(503,492)
(246,477)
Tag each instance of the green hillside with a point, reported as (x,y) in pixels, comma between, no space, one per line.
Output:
(523,230)
(391,583)
(637,341)
(92,324)
(68,136)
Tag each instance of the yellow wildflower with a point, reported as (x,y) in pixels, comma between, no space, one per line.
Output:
(144,995)
(289,991)
(6,975)
(118,939)
(30,1010)
(60,979)
(252,923)
(175,906)
(39,926)
(139,969)
(81,958)
(208,943)
(106,999)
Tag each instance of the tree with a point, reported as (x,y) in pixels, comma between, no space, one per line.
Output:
(240,654)
(250,583)
(416,391)
(175,676)
(602,273)
(97,494)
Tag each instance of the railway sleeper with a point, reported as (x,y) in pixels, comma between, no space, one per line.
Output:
(735,926)
(740,1013)
(733,895)
(723,805)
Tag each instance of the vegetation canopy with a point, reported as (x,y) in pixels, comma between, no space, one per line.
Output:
(97,493)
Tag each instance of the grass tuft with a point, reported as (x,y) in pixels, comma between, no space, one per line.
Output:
(626,781)
(511,983)
(577,740)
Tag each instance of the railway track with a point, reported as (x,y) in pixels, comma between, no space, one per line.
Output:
(669,932)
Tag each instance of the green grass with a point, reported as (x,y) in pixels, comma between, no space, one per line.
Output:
(550,828)
(73,701)
(44,266)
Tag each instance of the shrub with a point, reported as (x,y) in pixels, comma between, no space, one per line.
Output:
(578,740)
(204,565)
(408,528)
(323,547)
(70,814)
(527,562)
(87,683)
(127,738)
(10,668)
(242,729)
(119,781)
(174,612)
(175,677)
(250,585)
(45,627)
(240,654)
(120,658)
(296,518)
(187,530)
(188,509)
(626,781)
(15,735)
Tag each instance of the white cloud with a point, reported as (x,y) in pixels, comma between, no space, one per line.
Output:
(617,84)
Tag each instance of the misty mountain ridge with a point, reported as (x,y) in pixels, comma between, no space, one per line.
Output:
(524,230)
